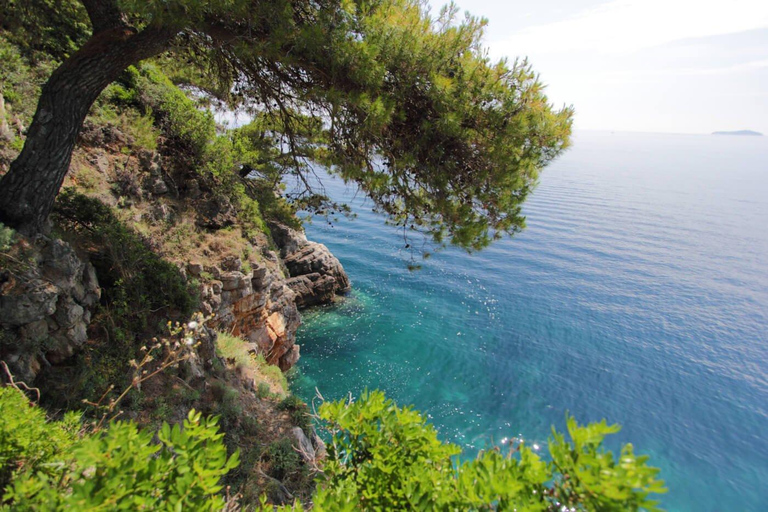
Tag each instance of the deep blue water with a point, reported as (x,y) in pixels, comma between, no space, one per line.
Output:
(638,293)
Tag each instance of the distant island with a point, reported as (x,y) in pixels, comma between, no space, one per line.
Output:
(739,132)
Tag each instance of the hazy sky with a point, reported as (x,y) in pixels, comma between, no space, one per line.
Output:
(686,66)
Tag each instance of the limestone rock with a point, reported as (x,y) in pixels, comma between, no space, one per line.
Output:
(312,289)
(317,275)
(195,268)
(216,213)
(232,263)
(193,189)
(28,302)
(234,280)
(46,308)
(159,187)
(304,445)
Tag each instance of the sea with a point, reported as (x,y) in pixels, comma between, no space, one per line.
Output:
(638,293)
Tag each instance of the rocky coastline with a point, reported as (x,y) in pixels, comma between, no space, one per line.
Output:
(47,304)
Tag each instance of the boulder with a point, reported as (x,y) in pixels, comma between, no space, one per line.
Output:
(216,213)
(317,276)
(303,445)
(313,289)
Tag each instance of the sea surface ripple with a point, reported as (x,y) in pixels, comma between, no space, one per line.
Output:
(637,293)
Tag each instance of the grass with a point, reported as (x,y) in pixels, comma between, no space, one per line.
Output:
(236,349)
(6,237)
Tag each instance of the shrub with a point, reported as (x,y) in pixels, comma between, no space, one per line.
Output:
(283,459)
(383,457)
(27,441)
(45,28)
(123,469)
(175,113)
(128,269)
(236,349)
(298,411)
(6,237)
(139,288)
(263,391)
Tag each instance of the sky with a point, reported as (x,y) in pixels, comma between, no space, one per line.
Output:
(673,66)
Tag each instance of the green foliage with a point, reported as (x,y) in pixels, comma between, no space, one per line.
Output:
(177,115)
(122,469)
(45,28)
(7,236)
(283,459)
(298,410)
(27,442)
(20,82)
(406,105)
(590,477)
(135,279)
(263,390)
(236,349)
(383,457)
(442,139)
(138,289)
(227,404)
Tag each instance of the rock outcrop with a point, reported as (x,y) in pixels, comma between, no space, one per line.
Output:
(256,306)
(45,306)
(316,275)
(261,305)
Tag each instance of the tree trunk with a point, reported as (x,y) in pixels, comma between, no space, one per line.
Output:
(28,190)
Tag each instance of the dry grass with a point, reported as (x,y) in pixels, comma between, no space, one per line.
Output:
(236,349)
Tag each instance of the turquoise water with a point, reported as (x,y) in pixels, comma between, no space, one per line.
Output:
(638,293)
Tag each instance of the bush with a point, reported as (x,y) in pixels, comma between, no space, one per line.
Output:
(6,237)
(298,411)
(123,469)
(45,28)
(175,113)
(263,391)
(236,349)
(128,269)
(383,457)
(27,442)
(283,459)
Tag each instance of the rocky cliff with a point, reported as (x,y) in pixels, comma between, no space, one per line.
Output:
(48,296)
(262,305)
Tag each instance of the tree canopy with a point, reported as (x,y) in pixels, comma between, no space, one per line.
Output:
(442,139)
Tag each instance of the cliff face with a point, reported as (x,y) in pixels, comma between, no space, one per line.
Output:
(316,275)
(252,285)
(46,302)
(47,295)
(262,305)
